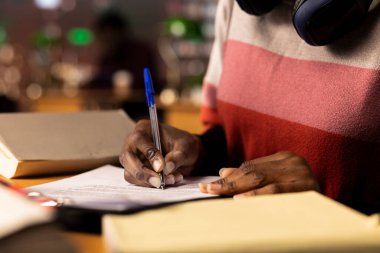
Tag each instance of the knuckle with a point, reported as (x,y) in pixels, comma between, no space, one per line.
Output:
(134,137)
(186,141)
(139,175)
(150,152)
(248,170)
(142,124)
(257,177)
(221,181)
(247,164)
(231,186)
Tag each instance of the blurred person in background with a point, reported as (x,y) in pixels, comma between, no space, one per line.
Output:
(120,53)
(121,62)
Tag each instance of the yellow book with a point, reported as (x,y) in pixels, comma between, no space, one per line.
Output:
(50,143)
(294,222)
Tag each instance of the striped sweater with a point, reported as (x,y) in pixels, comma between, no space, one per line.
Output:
(271,91)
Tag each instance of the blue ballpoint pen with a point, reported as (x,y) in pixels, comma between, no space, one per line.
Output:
(153,115)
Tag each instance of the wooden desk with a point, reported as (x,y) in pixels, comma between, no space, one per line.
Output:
(85,243)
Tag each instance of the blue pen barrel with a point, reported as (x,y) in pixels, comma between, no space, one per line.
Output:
(155,127)
(153,115)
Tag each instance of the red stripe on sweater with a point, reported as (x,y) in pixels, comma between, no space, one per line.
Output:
(335,98)
(209,117)
(209,95)
(346,168)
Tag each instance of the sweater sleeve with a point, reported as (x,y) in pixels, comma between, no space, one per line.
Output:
(209,111)
(213,139)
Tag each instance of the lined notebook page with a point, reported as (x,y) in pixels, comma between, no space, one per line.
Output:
(105,188)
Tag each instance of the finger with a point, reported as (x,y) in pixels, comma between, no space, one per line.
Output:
(145,146)
(135,168)
(202,187)
(183,153)
(178,177)
(130,179)
(224,172)
(238,181)
(169,180)
(276,188)
(248,178)
(174,159)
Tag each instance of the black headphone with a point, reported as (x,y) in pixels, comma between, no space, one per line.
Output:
(317,22)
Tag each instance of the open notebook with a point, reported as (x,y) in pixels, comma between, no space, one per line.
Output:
(106,190)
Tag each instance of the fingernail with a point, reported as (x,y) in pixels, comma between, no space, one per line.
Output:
(156,165)
(178,178)
(221,171)
(170,179)
(155,182)
(169,168)
(214,187)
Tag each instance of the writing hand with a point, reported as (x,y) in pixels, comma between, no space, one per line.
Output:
(142,161)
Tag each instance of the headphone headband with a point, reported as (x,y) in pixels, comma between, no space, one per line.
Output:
(257,7)
(317,22)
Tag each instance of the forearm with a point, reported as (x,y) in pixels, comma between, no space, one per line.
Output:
(213,155)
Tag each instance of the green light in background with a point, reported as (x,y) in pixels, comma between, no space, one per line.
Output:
(3,35)
(80,36)
(41,40)
(183,27)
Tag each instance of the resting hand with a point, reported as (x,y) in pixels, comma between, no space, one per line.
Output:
(142,161)
(278,173)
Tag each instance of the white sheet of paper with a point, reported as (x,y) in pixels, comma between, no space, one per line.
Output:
(105,188)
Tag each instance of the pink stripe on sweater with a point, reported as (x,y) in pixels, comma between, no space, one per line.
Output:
(335,98)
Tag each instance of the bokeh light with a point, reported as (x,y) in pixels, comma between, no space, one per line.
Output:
(80,36)
(47,4)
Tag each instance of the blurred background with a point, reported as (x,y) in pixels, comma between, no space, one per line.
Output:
(73,55)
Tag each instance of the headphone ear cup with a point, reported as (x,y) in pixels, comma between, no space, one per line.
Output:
(257,7)
(297,4)
(320,22)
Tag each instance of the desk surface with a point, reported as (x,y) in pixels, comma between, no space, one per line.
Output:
(86,243)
